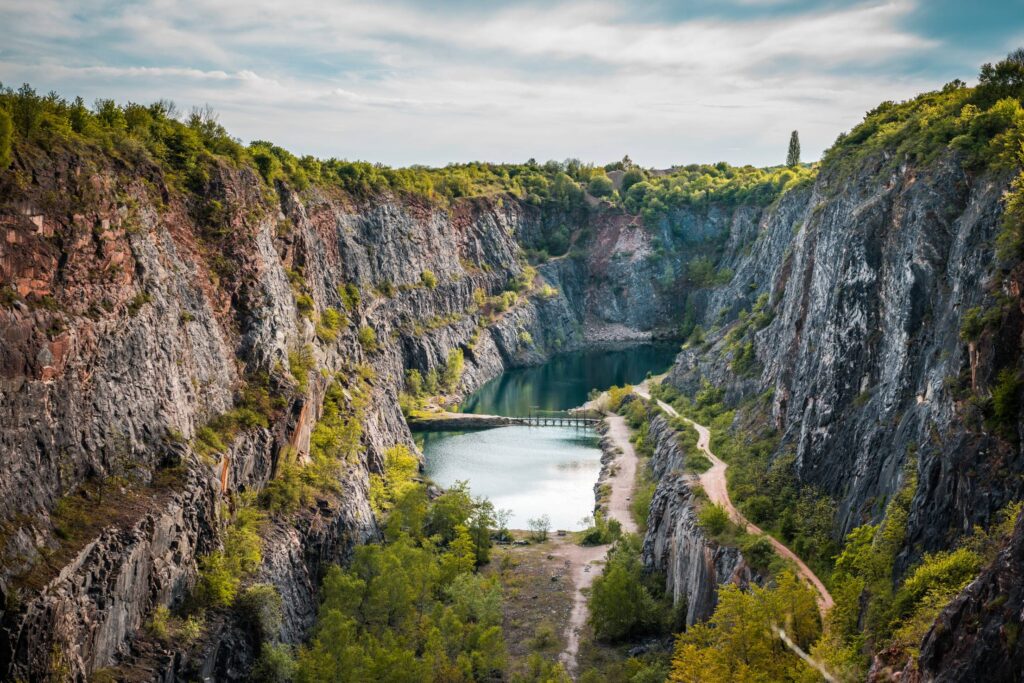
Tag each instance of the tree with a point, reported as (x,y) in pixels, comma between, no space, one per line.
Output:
(621,605)
(793,158)
(539,527)
(632,177)
(600,186)
(6,132)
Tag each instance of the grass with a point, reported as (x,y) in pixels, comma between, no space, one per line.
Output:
(537,607)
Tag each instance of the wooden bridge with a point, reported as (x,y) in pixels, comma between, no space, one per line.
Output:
(560,418)
(445,421)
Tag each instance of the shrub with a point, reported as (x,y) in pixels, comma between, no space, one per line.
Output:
(221,572)
(300,362)
(713,519)
(428,279)
(367,339)
(525,338)
(276,664)
(601,186)
(349,294)
(1006,398)
(621,604)
(453,368)
(631,178)
(601,531)
(547,292)
(6,134)
(758,551)
(400,467)
(539,528)
(259,607)
(330,322)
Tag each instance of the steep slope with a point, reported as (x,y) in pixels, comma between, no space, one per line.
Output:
(168,345)
(875,312)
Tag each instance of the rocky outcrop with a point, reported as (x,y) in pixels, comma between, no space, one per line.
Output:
(980,630)
(869,273)
(136,311)
(694,565)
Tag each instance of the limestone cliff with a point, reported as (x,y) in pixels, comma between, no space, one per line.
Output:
(137,312)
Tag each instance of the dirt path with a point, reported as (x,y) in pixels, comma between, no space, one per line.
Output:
(714,483)
(586,560)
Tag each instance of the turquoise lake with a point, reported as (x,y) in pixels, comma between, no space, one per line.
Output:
(534,471)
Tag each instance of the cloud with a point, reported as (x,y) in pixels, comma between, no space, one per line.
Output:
(418,83)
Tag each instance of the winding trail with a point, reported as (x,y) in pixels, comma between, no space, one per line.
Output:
(714,483)
(585,560)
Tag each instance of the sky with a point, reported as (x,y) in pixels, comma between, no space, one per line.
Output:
(461,80)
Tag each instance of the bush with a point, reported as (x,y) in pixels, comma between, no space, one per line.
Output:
(621,605)
(259,607)
(539,528)
(221,572)
(601,186)
(601,531)
(276,664)
(1006,398)
(349,294)
(713,519)
(367,339)
(300,362)
(428,279)
(6,135)
(453,368)
(758,551)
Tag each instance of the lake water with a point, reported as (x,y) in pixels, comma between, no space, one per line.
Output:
(534,471)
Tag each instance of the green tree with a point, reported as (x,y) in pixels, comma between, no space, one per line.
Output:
(601,186)
(6,134)
(793,156)
(632,177)
(621,605)
(453,367)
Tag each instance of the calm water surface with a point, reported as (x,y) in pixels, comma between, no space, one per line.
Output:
(539,470)
(565,380)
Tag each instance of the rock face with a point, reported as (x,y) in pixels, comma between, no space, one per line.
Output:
(138,313)
(869,273)
(694,565)
(979,631)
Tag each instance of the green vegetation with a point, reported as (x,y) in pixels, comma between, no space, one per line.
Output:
(170,629)
(186,148)
(413,609)
(793,155)
(699,184)
(601,186)
(222,571)
(700,272)
(350,297)
(739,642)
(444,379)
(331,321)
(336,440)
(6,134)
(600,530)
(300,362)
(428,279)
(400,468)
(762,483)
(627,601)
(254,407)
(367,338)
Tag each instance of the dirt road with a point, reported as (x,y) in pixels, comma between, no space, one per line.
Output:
(714,483)
(586,561)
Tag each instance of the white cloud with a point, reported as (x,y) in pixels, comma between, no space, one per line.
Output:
(408,85)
